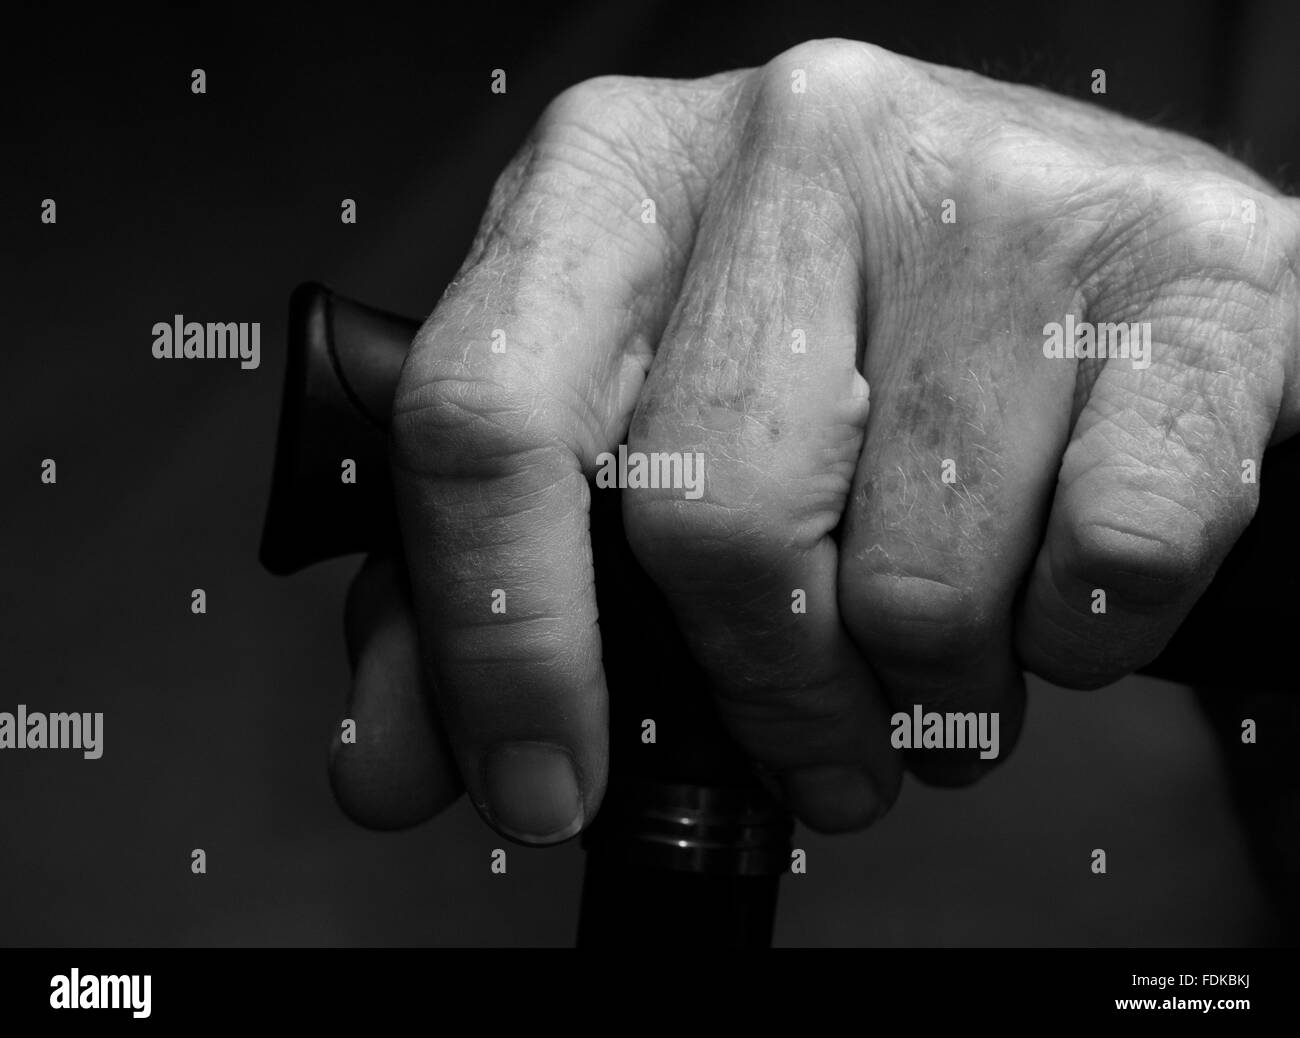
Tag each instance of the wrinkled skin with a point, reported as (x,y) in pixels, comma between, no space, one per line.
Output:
(777,211)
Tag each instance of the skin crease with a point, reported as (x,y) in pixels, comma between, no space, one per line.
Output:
(817,211)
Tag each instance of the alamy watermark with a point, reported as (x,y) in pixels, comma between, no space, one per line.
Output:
(1105,341)
(36,731)
(635,470)
(930,730)
(127,991)
(180,339)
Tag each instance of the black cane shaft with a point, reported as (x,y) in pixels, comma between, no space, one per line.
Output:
(623,900)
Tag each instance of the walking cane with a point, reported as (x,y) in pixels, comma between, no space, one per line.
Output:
(687,848)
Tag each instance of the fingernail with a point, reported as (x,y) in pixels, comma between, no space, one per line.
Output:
(833,798)
(532,792)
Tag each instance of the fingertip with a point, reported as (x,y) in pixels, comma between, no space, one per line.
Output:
(835,798)
(389,765)
(532,793)
(376,796)
(948,769)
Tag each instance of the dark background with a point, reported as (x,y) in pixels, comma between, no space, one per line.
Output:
(216,726)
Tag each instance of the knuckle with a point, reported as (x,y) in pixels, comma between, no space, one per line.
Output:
(449,420)
(1147,566)
(759,500)
(840,62)
(583,169)
(1148,515)
(598,104)
(707,540)
(1216,229)
(1188,202)
(802,91)
(899,616)
(756,511)
(621,139)
(595,141)
(674,536)
(1018,176)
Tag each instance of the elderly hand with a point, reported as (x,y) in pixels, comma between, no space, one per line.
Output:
(1079,334)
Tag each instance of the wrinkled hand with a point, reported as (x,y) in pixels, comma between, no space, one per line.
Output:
(706,267)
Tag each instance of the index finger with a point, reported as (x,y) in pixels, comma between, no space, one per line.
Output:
(526,372)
